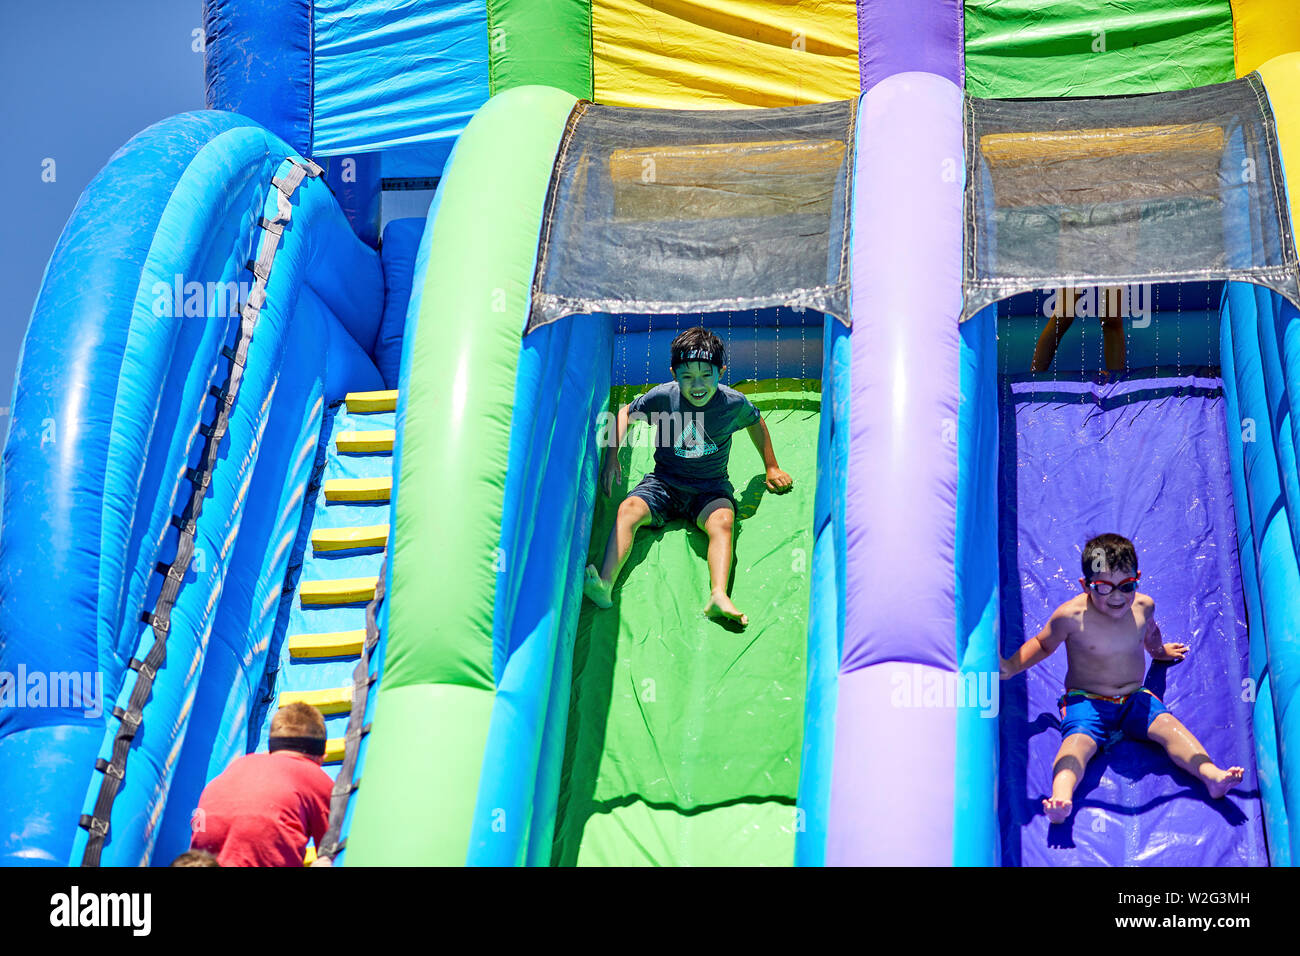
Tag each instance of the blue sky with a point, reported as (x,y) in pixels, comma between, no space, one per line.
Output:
(78,78)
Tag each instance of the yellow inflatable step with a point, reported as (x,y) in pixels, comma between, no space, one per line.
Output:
(333,644)
(337,591)
(331,700)
(345,539)
(372,401)
(334,749)
(358,489)
(359,443)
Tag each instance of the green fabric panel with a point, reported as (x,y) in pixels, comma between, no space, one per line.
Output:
(685,734)
(420,778)
(1026,48)
(540,41)
(460,394)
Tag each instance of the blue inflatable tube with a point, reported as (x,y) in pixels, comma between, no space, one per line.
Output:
(826,604)
(400,247)
(144,793)
(1261,471)
(98,370)
(976,839)
(258,62)
(562,386)
(1266,308)
(141,296)
(1263,724)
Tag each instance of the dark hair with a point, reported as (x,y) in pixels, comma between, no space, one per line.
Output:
(1108,553)
(698,345)
(195,858)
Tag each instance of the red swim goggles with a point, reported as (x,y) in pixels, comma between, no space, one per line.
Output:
(1127,586)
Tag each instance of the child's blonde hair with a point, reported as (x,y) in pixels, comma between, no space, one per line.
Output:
(298,720)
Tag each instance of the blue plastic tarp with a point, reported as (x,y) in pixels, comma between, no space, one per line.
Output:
(396,74)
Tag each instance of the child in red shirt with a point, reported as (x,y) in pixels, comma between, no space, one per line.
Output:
(263,809)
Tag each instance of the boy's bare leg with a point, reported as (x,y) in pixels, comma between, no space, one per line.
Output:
(718,522)
(1048,342)
(1186,751)
(1071,761)
(633,513)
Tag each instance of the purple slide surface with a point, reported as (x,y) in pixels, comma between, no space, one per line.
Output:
(1146,458)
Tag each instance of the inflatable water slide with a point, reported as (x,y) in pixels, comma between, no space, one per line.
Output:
(271,443)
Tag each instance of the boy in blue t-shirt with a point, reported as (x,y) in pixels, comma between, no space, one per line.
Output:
(693,418)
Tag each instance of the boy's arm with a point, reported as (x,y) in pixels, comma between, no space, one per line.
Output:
(611,472)
(1155,644)
(1040,646)
(777,480)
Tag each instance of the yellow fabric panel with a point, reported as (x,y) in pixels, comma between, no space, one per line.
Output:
(1281,77)
(1059,145)
(725,180)
(701,54)
(1263,29)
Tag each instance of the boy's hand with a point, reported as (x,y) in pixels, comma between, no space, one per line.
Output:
(612,472)
(1175,652)
(1004,669)
(778,481)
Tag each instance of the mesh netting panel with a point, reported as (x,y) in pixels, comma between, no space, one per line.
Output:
(673,211)
(1177,186)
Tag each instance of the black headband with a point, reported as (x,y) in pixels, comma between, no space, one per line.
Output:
(313,746)
(714,356)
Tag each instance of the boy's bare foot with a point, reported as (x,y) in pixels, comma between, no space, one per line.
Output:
(1057,810)
(720,606)
(596,590)
(1220,781)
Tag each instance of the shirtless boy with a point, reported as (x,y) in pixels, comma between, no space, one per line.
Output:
(1105,630)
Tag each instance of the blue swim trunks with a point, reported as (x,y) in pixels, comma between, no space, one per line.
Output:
(1108,720)
(668,501)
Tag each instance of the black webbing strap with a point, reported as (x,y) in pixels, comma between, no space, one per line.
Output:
(131,717)
(345,784)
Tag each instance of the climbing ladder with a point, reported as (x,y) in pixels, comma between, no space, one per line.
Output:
(341,564)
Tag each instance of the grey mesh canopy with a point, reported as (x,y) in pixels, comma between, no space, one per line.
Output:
(675,211)
(1167,187)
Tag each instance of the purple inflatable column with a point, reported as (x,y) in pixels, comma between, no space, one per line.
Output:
(895,727)
(897,36)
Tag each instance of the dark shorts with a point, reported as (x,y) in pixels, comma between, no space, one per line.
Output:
(668,501)
(1108,720)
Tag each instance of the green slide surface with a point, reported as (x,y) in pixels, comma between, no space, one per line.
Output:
(684,733)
